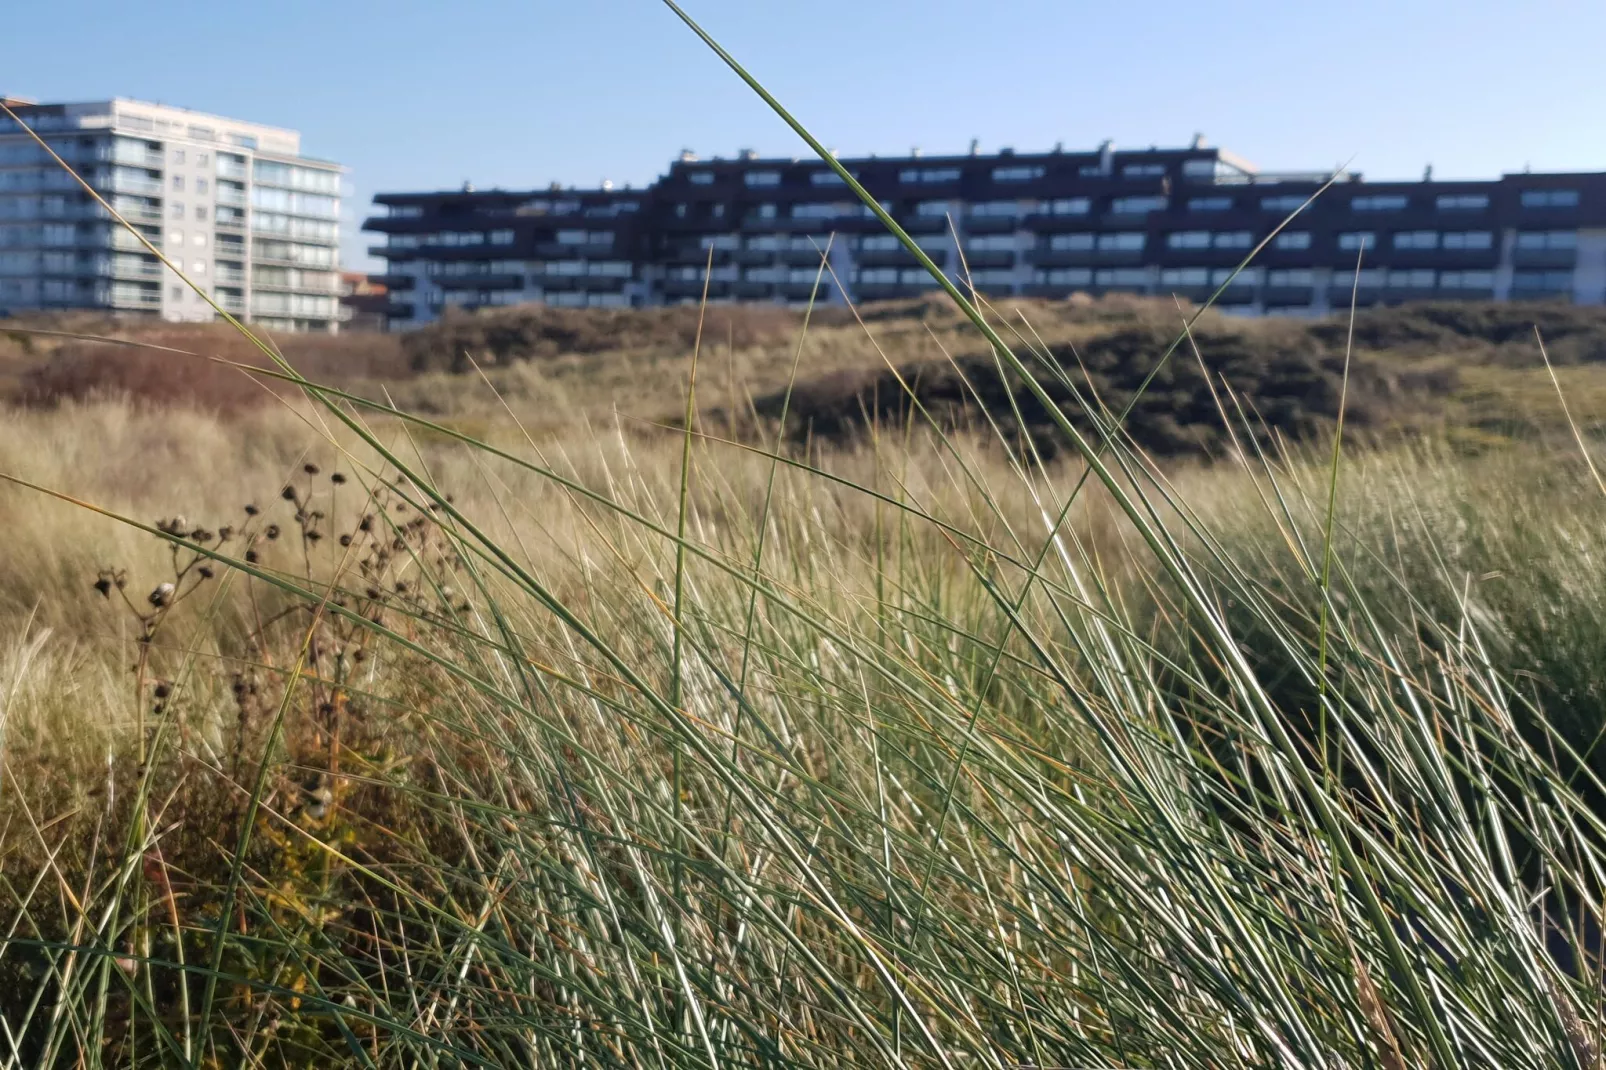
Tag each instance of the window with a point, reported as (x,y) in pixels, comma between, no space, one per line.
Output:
(1292,239)
(501,237)
(992,277)
(879,243)
(1461,202)
(1420,279)
(202,159)
(680,211)
(702,178)
(1466,280)
(1070,242)
(1232,239)
(1070,206)
(1209,204)
(1416,239)
(1017,174)
(176,293)
(198,267)
(200,185)
(814,211)
(58,234)
(875,276)
(1143,170)
(917,277)
(198,239)
(200,213)
(719,241)
(804,276)
(931,208)
(175,238)
(1285,203)
(1125,241)
(1381,202)
(178,156)
(1193,276)
(1548,240)
(613,269)
(1550,198)
(930,174)
(766,211)
(1121,277)
(1289,277)
(1065,277)
(995,209)
(1468,239)
(571,237)
(755,179)
(176,210)
(990,243)
(1542,281)
(1233,277)
(826,178)
(1188,239)
(1368,278)
(1357,239)
(178,183)
(1137,205)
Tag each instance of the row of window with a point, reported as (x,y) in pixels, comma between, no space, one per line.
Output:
(618,269)
(1004,173)
(1200,277)
(451,238)
(1363,203)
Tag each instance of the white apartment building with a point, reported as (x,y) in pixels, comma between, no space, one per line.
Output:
(233,204)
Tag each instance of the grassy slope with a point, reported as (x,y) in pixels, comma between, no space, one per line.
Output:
(932,827)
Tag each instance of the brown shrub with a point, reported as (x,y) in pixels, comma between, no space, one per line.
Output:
(530,332)
(89,370)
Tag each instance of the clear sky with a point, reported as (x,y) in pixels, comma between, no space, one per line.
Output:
(412,94)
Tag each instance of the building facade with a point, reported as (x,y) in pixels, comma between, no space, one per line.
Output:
(235,205)
(1148,221)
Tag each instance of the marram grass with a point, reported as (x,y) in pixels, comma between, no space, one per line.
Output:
(943,756)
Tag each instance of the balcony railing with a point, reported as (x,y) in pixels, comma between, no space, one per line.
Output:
(113,183)
(149,269)
(141,299)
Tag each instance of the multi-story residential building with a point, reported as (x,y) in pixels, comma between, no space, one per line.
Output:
(1148,221)
(235,205)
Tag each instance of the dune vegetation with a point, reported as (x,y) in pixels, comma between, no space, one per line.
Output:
(570,698)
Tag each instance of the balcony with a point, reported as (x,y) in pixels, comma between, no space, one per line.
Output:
(1544,258)
(593,251)
(802,257)
(130,158)
(891,258)
(500,281)
(110,183)
(754,291)
(142,299)
(991,224)
(395,282)
(990,259)
(145,269)
(122,239)
(398,311)
(1042,257)
(227,277)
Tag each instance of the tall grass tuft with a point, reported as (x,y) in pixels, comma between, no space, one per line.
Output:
(954,758)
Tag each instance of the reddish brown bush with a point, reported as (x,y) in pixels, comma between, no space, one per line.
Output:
(87,370)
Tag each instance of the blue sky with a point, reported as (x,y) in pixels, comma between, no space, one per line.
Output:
(519,93)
